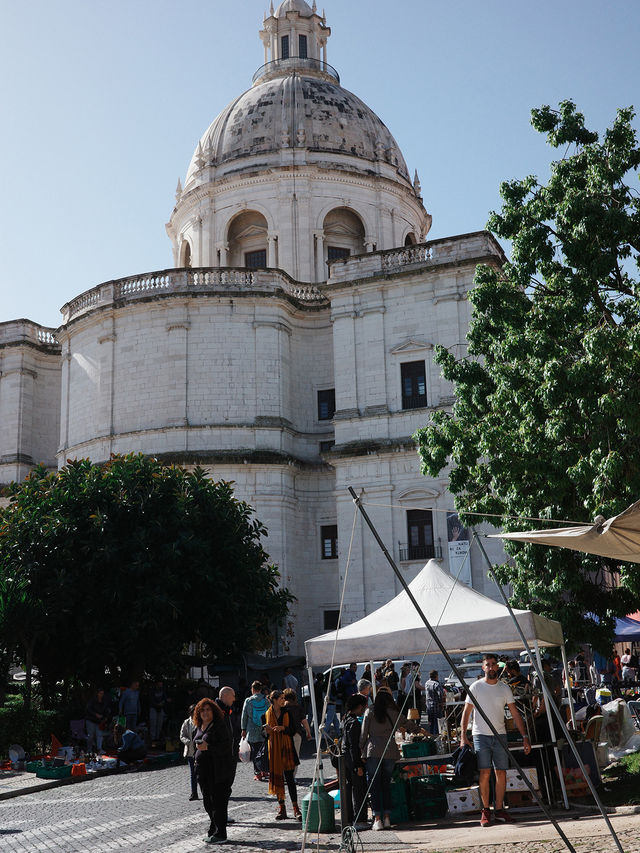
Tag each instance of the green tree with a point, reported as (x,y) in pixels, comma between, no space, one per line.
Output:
(120,565)
(546,418)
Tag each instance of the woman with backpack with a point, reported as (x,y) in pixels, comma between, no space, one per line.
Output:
(378,747)
(251,723)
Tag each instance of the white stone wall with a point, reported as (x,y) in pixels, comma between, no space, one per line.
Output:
(29,398)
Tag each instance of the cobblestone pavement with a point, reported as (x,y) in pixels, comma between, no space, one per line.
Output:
(149,812)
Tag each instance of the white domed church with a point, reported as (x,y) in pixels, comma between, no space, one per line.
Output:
(290,347)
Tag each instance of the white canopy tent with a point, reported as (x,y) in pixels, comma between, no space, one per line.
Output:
(464,620)
(617,538)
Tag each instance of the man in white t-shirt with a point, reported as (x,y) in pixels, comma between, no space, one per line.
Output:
(492,695)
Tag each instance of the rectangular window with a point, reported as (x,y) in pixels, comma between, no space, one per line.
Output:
(329,537)
(302,47)
(419,535)
(326,404)
(284,47)
(331,619)
(256,260)
(335,252)
(414,384)
(325,446)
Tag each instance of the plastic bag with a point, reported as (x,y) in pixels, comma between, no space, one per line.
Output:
(245,750)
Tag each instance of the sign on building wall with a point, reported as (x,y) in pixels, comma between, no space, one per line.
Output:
(459,558)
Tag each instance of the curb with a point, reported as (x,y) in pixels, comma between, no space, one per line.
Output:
(74,780)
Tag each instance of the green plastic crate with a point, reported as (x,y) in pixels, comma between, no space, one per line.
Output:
(428,799)
(399,814)
(54,772)
(420,749)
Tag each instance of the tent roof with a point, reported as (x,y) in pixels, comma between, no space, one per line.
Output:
(627,629)
(464,620)
(617,538)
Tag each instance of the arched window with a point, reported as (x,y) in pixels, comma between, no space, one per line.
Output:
(185,254)
(410,239)
(247,239)
(343,234)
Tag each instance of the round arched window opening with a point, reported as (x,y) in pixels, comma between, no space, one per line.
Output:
(247,239)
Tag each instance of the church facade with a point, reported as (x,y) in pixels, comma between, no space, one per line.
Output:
(289,349)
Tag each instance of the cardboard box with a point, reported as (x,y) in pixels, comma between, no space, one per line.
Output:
(464,800)
(515,782)
(513,799)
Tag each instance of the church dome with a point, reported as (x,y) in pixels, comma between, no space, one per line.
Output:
(299,6)
(297,110)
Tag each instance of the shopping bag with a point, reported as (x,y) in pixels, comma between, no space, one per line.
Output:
(245,750)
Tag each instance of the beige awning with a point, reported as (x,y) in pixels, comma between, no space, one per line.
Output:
(616,538)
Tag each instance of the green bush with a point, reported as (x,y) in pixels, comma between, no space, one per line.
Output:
(32,730)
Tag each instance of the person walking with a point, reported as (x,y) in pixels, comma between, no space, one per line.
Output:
(282,754)
(492,695)
(214,766)
(354,770)
(187,732)
(251,723)
(435,699)
(298,720)
(378,747)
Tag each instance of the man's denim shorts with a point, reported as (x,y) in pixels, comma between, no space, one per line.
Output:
(489,751)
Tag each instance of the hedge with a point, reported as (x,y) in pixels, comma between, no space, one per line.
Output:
(31,730)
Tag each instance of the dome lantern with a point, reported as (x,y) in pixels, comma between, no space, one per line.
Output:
(294,38)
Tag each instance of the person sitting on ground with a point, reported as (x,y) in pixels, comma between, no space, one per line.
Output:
(130,745)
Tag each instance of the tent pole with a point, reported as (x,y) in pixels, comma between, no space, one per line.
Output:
(552,731)
(551,704)
(565,664)
(373,679)
(477,707)
(316,722)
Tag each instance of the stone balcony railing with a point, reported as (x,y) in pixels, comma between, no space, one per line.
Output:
(476,247)
(26,331)
(191,281)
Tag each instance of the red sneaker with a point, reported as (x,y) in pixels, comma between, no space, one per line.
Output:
(486,818)
(502,816)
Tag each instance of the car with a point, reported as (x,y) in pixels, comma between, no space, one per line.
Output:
(470,673)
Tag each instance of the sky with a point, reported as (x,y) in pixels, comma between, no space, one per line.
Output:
(104,102)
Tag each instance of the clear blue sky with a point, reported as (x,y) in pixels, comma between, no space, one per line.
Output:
(104,102)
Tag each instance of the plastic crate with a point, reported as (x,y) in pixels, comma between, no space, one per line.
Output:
(399,814)
(32,766)
(398,792)
(427,797)
(420,749)
(54,772)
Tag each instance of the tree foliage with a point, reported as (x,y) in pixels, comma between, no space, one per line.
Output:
(120,565)
(546,419)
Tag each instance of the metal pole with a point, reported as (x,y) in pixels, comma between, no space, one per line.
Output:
(455,669)
(552,731)
(552,705)
(316,722)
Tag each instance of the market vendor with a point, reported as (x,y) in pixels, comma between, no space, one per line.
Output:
(130,745)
